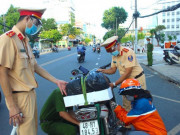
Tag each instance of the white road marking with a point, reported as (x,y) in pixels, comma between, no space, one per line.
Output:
(175,130)
(98,58)
(52,61)
(148,75)
(97,64)
(176,101)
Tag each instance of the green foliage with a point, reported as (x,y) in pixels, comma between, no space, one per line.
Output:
(110,16)
(174,37)
(162,37)
(170,37)
(160,28)
(11,18)
(152,31)
(53,34)
(120,34)
(141,35)
(68,29)
(48,24)
(72,19)
(87,40)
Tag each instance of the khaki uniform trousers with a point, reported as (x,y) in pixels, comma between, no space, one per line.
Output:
(126,103)
(26,101)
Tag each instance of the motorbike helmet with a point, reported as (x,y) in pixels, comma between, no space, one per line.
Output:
(130,87)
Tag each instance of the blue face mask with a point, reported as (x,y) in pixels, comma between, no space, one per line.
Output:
(115,53)
(130,98)
(32,30)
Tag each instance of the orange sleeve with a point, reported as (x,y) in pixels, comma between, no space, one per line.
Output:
(121,114)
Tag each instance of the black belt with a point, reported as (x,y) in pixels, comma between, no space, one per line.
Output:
(21,91)
(137,76)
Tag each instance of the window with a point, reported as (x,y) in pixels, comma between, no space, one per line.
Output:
(163,20)
(172,13)
(167,26)
(172,26)
(172,20)
(178,12)
(177,26)
(168,13)
(164,14)
(177,19)
(167,20)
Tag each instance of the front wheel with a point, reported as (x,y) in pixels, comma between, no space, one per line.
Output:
(168,60)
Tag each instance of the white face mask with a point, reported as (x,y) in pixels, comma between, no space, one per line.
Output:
(130,98)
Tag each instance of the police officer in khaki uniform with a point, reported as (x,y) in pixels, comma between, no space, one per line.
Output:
(125,61)
(17,68)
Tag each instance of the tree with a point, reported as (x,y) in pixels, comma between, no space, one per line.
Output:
(49,24)
(11,18)
(53,34)
(68,29)
(120,34)
(141,35)
(113,15)
(162,37)
(87,40)
(170,37)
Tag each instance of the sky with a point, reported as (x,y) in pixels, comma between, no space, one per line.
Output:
(92,10)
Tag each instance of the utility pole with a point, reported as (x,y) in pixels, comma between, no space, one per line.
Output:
(116,26)
(136,31)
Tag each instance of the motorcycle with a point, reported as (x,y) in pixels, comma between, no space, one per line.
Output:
(96,118)
(80,57)
(172,56)
(94,49)
(98,50)
(36,53)
(69,48)
(55,49)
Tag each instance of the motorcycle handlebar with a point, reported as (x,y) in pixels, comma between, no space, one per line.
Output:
(105,66)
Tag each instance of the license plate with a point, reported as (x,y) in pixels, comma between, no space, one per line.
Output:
(89,128)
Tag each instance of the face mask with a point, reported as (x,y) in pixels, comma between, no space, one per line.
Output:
(115,53)
(130,98)
(32,30)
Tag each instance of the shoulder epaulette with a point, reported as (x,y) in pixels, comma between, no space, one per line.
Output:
(125,49)
(10,33)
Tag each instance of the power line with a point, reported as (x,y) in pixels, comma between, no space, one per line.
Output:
(172,8)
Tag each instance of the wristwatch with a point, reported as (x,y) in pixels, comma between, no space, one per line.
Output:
(114,84)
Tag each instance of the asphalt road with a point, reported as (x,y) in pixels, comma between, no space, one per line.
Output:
(165,94)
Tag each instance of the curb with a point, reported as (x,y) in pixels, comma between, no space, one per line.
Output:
(162,75)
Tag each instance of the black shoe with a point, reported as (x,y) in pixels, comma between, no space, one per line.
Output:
(124,129)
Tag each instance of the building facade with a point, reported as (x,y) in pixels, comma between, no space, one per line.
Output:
(171,20)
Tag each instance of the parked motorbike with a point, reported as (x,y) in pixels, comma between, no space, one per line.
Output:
(80,57)
(98,50)
(36,53)
(95,120)
(172,56)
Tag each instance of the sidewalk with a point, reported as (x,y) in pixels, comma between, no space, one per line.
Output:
(170,72)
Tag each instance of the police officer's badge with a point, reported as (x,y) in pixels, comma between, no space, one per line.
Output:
(130,58)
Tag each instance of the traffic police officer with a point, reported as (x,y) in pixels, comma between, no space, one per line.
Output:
(125,61)
(149,52)
(17,68)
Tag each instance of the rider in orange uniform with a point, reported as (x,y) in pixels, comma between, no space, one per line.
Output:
(143,115)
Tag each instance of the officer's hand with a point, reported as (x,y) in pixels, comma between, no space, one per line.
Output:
(111,85)
(14,116)
(62,86)
(101,70)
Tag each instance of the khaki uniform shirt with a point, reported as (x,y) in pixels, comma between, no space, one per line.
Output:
(125,60)
(16,54)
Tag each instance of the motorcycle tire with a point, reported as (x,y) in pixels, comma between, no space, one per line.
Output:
(168,60)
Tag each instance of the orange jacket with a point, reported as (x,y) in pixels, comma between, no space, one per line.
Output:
(143,116)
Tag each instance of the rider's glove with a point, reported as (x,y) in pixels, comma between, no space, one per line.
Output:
(113,104)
